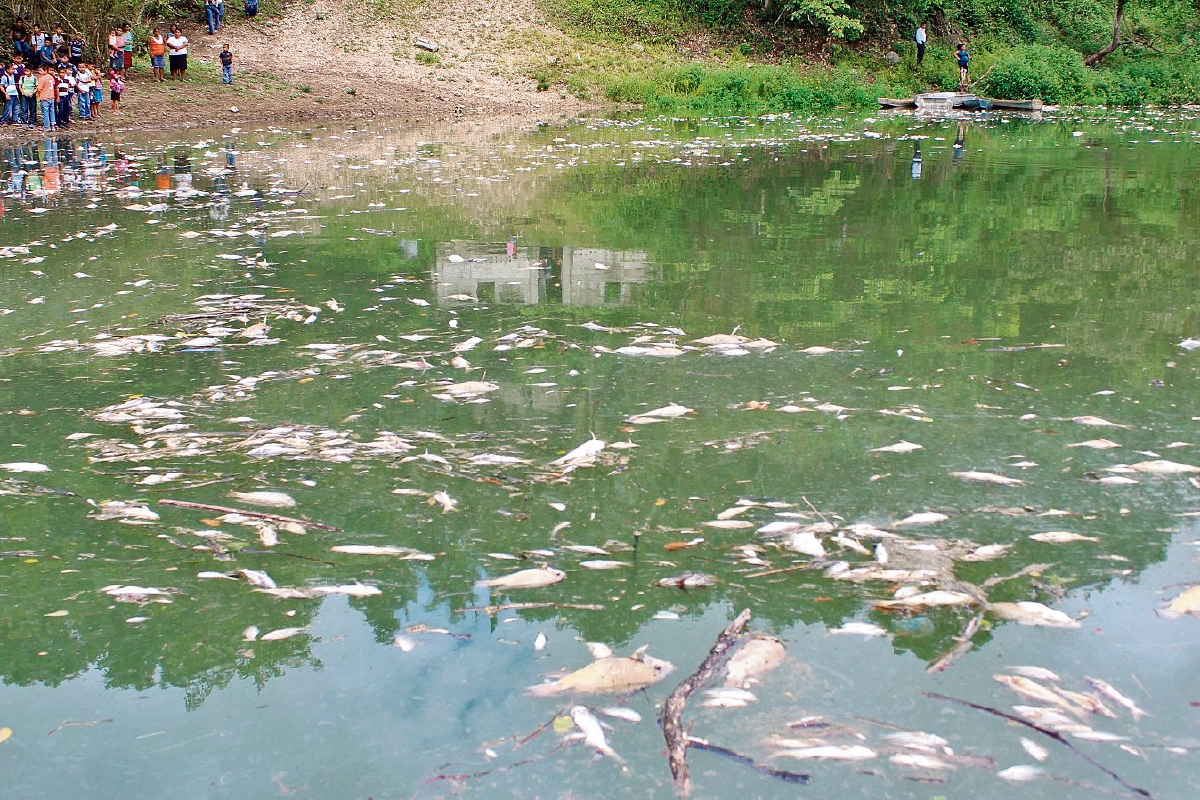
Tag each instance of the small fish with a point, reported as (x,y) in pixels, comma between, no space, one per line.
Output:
(604,564)
(728,698)
(919,739)
(525,579)
(1035,750)
(1089,703)
(1163,467)
(923,518)
(406,553)
(1030,613)
(593,734)
(1036,673)
(688,580)
(728,524)
(605,675)
(1108,690)
(267,499)
(855,752)
(860,629)
(920,761)
(937,597)
(757,654)
(1061,537)
(599,650)
(1035,691)
(1096,422)
(250,633)
(281,634)
(1098,736)
(349,589)
(447,502)
(539,641)
(899,447)
(807,543)
(623,713)
(1020,772)
(258,578)
(1051,718)
(988,477)
(1096,444)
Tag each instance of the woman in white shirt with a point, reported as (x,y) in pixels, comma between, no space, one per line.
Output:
(177,47)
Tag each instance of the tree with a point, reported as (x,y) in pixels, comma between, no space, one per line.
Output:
(1098,56)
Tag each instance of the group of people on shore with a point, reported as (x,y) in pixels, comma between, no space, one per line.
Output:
(920,37)
(47,80)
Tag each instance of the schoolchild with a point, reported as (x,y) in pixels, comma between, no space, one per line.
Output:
(226,56)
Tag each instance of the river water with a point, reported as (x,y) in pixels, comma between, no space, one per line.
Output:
(408,332)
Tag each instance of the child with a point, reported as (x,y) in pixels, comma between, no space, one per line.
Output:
(66,92)
(12,96)
(226,65)
(97,92)
(84,80)
(116,85)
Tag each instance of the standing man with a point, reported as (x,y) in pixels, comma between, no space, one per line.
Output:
(211,16)
(919,37)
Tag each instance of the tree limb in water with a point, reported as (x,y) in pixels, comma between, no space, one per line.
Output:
(493,610)
(677,740)
(166,501)
(765,769)
(1055,735)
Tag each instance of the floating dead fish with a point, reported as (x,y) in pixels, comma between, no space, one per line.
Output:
(250,633)
(688,580)
(622,713)
(1035,750)
(266,499)
(1096,422)
(756,655)
(780,527)
(599,650)
(136,594)
(593,733)
(1036,673)
(917,739)
(938,597)
(1030,613)
(988,477)
(1097,736)
(854,752)
(923,518)
(466,344)
(1020,772)
(727,698)
(1061,537)
(209,574)
(860,629)
(494,460)
(469,388)
(257,578)
(671,411)
(899,447)
(1096,444)
(986,552)
(405,553)
(604,564)
(447,502)
(728,524)
(582,456)
(920,761)
(525,579)
(818,350)
(588,549)
(721,339)
(405,644)
(128,512)
(1117,480)
(1163,467)
(280,634)
(24,466)
(1186,603)
(1035,691)
(539,642)
(807,543)
(1108,690)
(605,675)
(349,589)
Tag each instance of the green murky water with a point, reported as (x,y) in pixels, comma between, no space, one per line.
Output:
(984,303)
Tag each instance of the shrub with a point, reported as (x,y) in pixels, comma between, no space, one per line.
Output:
(1055,74)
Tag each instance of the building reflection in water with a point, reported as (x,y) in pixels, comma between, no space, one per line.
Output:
(502,272)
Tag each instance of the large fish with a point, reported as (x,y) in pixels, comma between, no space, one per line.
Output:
(758,654)
(606,675)
(525,579)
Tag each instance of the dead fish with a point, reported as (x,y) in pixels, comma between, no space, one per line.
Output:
(582,456)
(688,580)
(854,752)
(756,655)
(860,629)
(1089,703)
(525,579)
(1061,537)
(267,499)
(1163,467)
(24,466)
(593,734)
(258,578)
(1098,736)
(918,739)
(598,650)
(604,564)
(623,713)
(349,589)
(728,524)
(1035,750)
(1035,691)
(1037,673)
(539,641)
(728,698)
(1030,613)
(899,447)
(1096,444)
(468,389)
(920,761)
(447,502)
(1186,603)
(605,675)
(923,518)
(1020,772)
(1050,718)
(406,553)
(806,542)
(988,477)
(986,552)
(588,549)
(1096,422)
(250,633)
(281,634)
(1108,690)
(937,597)
(135,594)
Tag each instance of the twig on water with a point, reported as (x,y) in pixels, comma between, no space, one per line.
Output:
(492,610)
(1055,735)
(672,722)
(765,769)
(166,501)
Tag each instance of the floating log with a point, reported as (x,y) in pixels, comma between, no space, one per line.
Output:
(945,101)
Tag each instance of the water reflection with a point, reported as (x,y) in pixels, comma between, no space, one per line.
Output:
(469,271)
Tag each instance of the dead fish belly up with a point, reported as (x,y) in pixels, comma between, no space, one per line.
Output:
(757,655)
(605,675)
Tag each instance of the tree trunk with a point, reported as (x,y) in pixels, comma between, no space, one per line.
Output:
(1096,57)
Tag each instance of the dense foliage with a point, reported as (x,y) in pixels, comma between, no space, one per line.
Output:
(1144,49)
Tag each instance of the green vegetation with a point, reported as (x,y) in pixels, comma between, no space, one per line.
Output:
(756,56)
